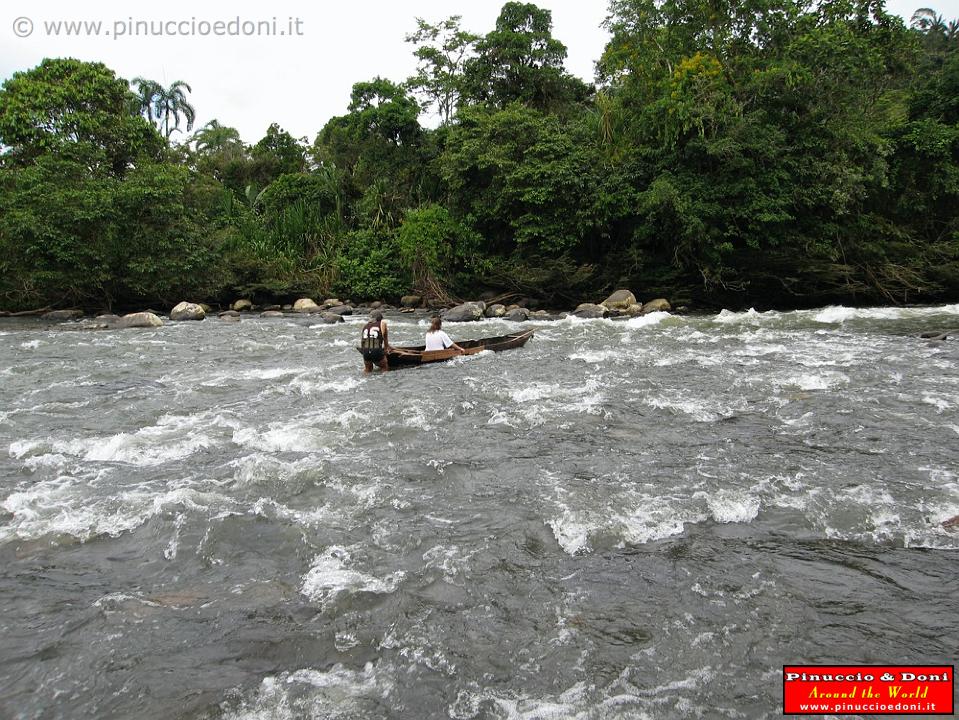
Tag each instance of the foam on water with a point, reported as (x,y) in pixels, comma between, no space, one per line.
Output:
(939,402)
(622,699)
(599,356)
(173,437)
(751,317)
(653,318)
(633,516)
(310,385)
(64,506)
(840,314)
(650,518)
(705,410)
(824,380)
(733,506)
(331,575)
(308,694)
(315,432)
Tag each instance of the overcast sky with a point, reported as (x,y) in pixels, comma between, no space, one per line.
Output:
(298,80)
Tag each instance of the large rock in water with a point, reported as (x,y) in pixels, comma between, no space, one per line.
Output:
(494,311)
(187,311)
(63,315)
(467,312)
(306,305)
(620,300)
(657,305)
(140,319)
(331,318)
(241,305)
(590,311)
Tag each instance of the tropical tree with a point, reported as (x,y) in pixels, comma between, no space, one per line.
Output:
(216,138)
(928,20)
(521,61)
(442,51)
(171,103)
(164,106)
(66,106)
(147,93)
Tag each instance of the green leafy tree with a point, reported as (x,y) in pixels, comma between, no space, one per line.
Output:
(277,153)
(442,51)
(80,108)
(521,61)
(521,178)
(220,153)
(379,150)
(436,250)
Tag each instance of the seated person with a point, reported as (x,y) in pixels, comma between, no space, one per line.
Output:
(436,339)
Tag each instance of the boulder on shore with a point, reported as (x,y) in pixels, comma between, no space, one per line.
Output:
(187,311)
(619,300)
(411,301)
(519,314)
(657,305)
(241,305)
(590,311)
(467,312)
(494,311)
(306,305)
(332,302)
(63,315)
(339,310)
(140,319)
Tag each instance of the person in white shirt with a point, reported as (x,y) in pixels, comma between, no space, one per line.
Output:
(436,339)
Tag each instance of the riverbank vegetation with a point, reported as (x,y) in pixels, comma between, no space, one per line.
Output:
(776,153)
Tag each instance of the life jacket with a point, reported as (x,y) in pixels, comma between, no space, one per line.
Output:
(372,336)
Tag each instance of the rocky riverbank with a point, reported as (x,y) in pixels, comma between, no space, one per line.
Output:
(621,304)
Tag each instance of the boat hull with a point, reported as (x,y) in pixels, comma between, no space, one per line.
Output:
(413,355)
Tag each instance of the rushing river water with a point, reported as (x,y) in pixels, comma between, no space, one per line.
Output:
(632,519)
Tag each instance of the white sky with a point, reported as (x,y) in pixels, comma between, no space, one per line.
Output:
(296,81)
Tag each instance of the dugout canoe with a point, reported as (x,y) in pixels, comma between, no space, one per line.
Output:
(411,355)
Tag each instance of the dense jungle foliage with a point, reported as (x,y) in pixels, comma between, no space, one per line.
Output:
(776,153)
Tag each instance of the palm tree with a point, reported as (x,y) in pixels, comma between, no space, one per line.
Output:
(214,138)
(928,21)
(170,103)
(165,105)
(147,93)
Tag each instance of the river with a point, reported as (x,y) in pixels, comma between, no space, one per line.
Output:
(623,519)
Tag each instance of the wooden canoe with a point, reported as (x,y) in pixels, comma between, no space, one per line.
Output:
(408,356)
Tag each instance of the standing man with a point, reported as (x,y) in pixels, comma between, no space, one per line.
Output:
(375,343)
